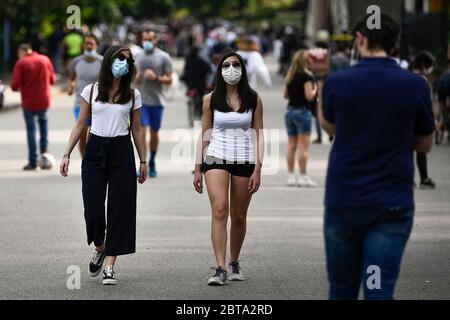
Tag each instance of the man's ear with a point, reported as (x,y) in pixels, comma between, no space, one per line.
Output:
(359,38)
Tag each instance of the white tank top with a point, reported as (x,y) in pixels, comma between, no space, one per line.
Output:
(232,137)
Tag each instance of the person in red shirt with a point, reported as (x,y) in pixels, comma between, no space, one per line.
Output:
(33,76)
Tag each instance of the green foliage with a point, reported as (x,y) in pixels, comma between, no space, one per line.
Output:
(32,17)
(112,11)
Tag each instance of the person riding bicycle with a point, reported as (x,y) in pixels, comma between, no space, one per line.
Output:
(196,71)
(195,76)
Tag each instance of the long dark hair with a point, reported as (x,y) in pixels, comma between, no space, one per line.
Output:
(219,96)
(105,78)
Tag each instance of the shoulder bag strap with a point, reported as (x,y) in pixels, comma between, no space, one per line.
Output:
(91,94)
(133,100)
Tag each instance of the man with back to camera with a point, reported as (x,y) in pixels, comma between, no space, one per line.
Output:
(379,114)
(155,70)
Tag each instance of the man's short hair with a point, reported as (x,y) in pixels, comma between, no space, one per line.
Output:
(148,31)
(383,38)
(92,36)
(25,47)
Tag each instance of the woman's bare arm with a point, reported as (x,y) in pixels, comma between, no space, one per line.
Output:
(138,134)
(79,126)
(258,126)
(310,90)
(205,135)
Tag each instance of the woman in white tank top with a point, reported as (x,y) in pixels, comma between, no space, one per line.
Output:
(231,140)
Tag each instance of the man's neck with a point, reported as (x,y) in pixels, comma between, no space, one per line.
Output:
(89,59)
(374,54)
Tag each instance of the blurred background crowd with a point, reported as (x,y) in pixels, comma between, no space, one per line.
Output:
(277,27)
(196,29)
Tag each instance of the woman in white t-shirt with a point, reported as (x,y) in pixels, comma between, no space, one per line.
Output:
(109,163)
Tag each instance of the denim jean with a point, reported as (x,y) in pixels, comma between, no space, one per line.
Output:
(30,122)
(298,121)
(357,239)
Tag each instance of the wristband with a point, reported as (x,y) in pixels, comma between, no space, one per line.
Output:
(143,162)
(66,156)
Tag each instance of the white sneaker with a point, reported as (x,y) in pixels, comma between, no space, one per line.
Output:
(302,181)
(109,277)
(292,181)
(308,182)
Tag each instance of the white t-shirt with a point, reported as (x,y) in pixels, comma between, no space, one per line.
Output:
(110,119)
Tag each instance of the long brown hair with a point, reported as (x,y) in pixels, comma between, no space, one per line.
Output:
(105,78)
(299,64)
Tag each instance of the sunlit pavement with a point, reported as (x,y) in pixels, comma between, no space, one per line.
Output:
(43,233)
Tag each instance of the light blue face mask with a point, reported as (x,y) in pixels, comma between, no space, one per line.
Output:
(148,46)
(119,68)
(90,53)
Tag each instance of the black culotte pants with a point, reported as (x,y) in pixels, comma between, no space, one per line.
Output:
(109,167)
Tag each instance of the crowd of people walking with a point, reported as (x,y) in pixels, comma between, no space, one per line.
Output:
(375,112)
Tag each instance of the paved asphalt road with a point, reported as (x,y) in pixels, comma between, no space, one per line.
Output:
(43,233)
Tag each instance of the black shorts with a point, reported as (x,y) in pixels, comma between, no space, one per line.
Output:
(239,169)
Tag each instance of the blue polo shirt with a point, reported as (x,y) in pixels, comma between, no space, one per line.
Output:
(377,109)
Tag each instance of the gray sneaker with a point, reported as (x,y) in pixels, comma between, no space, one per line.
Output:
(219,278)
(235,273)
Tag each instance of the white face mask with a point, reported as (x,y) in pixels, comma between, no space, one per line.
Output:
(232,75)
(429,70)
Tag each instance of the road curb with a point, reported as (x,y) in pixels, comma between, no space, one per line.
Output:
(9,107)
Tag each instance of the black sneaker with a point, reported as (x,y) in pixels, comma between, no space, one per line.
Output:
(219,278)
(235,273)
(96,264)
(427,184)
(317,141)
(31,167)
(108,276)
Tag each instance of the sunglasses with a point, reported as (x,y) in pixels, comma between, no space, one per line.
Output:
(123,57)
(235,64)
